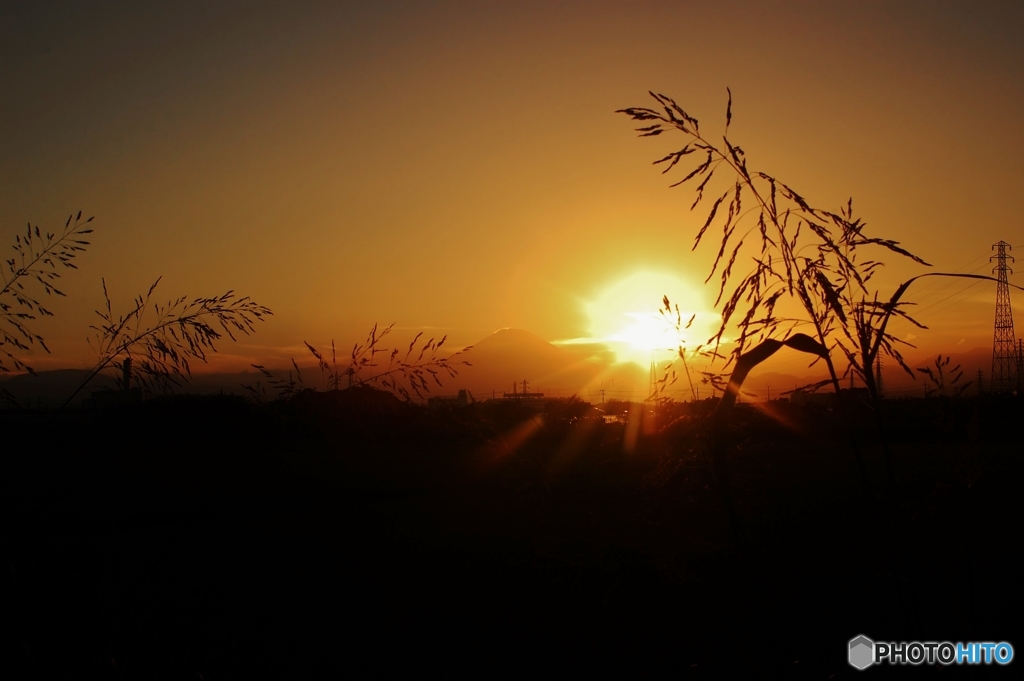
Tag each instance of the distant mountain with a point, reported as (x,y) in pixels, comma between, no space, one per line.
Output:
(519,351)
(510,356)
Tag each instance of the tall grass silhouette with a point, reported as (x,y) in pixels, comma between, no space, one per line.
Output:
(822,259)
(39,258)
(163,339)
(410,373)
(940,376)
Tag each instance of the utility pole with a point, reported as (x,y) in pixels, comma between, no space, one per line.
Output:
(1004,361)
(980,388)
(769,387)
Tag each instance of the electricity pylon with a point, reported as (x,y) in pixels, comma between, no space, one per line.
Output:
(1004,350)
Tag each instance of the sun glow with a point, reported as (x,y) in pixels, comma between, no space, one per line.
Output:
(626,317)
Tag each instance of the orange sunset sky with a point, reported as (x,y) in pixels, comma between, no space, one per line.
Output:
(458,167)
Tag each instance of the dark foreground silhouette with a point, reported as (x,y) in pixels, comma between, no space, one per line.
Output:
(350,532)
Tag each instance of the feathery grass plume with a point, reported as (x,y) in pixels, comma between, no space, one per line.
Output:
(163,339)
(784,246)
(282,387)
(940,376)
(669,376)
(402,374)
(410,374)
(816,270)
(36,266)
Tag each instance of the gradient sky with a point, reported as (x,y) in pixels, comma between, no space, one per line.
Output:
(459,166)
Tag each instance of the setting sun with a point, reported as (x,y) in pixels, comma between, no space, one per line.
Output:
(625,316)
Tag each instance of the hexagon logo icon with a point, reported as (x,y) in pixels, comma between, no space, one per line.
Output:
(862,652)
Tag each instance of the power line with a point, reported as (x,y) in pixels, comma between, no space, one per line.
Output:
(942,284)
(953,281)
(918,313)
